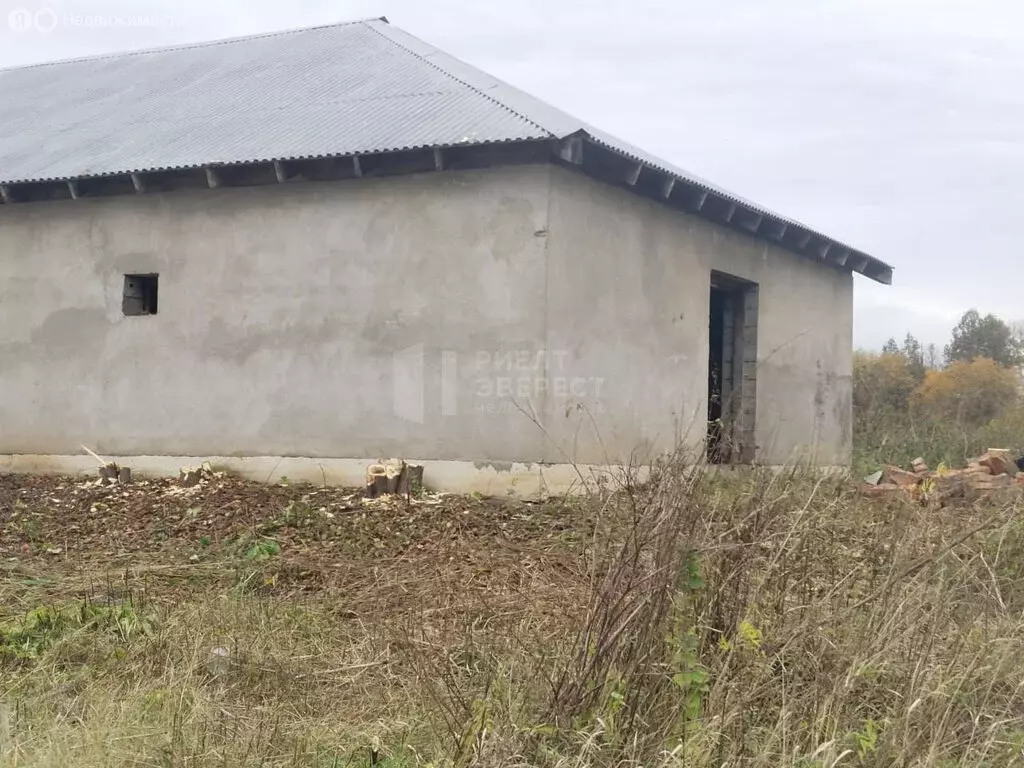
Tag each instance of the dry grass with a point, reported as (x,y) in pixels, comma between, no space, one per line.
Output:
(694,620)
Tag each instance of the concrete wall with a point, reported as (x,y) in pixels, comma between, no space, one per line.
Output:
(434,316)
(628,294)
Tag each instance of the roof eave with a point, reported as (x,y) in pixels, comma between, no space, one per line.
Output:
(676,190)
(595,158)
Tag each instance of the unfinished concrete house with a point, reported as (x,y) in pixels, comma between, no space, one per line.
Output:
(294,253)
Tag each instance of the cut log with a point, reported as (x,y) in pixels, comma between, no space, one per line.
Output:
(393,473)
(991,481)
(900,477)
(190,476)
(919,466)
(999,461)
(951,485)
(376,479)
(412,480)
(391,477)
(991,488)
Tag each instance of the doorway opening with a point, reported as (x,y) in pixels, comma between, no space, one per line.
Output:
(732,370)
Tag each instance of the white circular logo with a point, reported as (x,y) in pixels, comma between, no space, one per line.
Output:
(20,20)
(46,20)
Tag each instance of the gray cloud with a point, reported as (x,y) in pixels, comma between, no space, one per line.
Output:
(895,126)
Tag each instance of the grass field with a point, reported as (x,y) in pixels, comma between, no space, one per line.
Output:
(757,620)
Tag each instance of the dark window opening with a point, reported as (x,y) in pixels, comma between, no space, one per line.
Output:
(732,370)
(140,295)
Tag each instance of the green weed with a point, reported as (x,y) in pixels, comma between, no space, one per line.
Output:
(28,638)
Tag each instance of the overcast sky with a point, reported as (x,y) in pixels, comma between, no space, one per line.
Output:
(895,125)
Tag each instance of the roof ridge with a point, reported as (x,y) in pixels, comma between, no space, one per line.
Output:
(191,46)
(459,80)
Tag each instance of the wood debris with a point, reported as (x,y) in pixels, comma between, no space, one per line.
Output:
(393,476)
(992,475)
(899,477)
(189,477)
(999,461)
(109,471)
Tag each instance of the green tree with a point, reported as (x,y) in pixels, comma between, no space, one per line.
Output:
(914,353)
(976,336)
(891,347)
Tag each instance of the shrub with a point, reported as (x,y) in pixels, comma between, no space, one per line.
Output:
(881,382)
(967,394)
(953,415)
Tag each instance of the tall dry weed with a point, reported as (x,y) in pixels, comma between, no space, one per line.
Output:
(772,619)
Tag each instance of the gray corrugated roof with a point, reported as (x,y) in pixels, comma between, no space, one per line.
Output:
(328,90)
(343,89)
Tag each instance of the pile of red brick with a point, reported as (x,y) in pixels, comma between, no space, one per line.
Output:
(993,474)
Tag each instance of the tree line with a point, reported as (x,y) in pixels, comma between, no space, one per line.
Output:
(911,401)
(974,336)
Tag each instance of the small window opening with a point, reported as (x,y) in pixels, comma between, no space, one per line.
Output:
(140,295)
(732,370)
